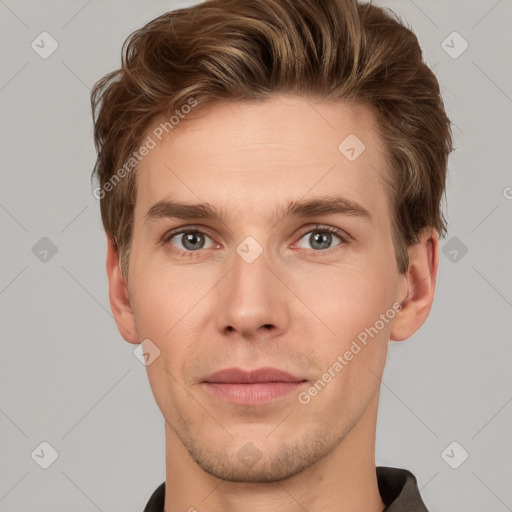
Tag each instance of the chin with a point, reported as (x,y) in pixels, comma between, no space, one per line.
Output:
(264,471)
(252,462)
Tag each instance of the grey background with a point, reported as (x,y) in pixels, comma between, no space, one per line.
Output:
(68,378)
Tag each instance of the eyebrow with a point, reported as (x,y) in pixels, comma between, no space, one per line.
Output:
(331,205)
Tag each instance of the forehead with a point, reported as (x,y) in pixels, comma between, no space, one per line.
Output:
(241,156)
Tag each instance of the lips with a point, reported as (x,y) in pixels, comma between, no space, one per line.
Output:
(254,387)
(260,375)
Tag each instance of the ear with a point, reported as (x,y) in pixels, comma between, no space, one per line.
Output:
(118,295)
(420,282)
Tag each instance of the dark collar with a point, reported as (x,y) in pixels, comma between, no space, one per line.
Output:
(397,487)
(399,491)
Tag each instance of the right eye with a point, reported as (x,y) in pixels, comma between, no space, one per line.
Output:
(189,240)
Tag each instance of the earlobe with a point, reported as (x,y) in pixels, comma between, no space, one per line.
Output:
(421,282)
(118,296)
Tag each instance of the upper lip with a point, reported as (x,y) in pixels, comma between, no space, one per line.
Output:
(239,376)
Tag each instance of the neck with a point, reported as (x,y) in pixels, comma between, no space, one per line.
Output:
(344,480)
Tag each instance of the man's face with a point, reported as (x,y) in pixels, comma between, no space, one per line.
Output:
(256,288)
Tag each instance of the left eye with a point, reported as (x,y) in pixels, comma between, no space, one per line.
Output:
(319,239)
(191,241)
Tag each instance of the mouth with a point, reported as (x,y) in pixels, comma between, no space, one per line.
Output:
(252,387)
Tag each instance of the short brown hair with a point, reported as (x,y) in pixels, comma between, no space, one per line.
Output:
(247,50)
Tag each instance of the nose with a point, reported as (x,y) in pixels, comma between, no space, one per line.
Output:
(254,301)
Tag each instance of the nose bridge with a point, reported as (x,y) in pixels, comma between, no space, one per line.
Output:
(252,297)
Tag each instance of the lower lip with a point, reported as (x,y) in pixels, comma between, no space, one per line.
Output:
(252,394)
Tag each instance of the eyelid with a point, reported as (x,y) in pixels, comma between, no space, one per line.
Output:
(325,227)
(185,229)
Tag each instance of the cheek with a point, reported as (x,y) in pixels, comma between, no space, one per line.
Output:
(168,306)
(161,295)
(349,301)
(352,352)
(347,298)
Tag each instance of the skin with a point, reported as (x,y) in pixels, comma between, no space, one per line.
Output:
(297,307)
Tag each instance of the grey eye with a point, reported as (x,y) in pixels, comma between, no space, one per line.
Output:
(190,241)
(318,239)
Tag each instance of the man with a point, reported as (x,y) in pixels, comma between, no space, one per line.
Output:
(270,176)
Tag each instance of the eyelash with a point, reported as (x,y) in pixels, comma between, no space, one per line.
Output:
(344,239)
